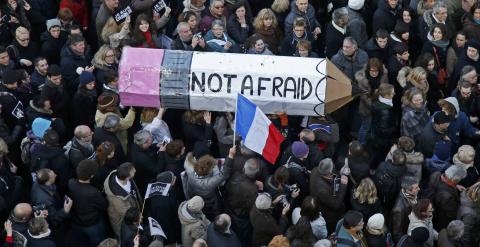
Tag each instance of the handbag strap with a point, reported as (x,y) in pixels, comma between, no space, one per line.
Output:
(436,56)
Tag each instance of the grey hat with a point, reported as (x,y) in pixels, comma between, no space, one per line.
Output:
(111,121)
(53,23)
(263,201)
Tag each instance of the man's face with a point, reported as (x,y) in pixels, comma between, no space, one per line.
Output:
(302,5)
(405,56)
(51,177)
(79,47)
(414,190)
(55,79)
(392,3)
(348,49)
(382,42)
(465,92)
(443,127)
(471,77)
(217,8)
(299,31)
(55,32)
(4,59)
(442,14)
(23,39)
(111,4)
(42,67)
(185,33)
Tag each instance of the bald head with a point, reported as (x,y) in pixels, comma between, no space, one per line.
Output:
(22,211)
(222,223)
(84,133)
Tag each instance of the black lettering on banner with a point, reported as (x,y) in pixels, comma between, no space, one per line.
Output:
(306,93)
(219,78)
(121,14)
(297,93)
(229,81)
(201,84)
(275,88)
(286,89)
(260,87)
(244,86)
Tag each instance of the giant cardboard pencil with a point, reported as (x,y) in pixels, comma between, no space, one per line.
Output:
(211,81)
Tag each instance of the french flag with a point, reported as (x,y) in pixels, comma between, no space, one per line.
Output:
(257,131)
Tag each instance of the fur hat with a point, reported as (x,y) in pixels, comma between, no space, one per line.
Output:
(263,201)
(195,204)
(299,149)
(356,4)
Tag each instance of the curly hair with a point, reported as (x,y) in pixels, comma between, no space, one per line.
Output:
(366,192)
(265,14)
(204,165)
(105,149)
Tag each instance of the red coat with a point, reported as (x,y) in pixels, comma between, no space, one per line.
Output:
(79,10)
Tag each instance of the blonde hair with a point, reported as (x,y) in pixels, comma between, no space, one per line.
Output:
(415,74)
(3,147)
(408,95)
(110,28)
(474,192)
(366,192)
(21,30)
(280,6)
(148,114)
(263,15)
(99,58)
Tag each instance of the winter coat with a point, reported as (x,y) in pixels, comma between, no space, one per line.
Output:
(195,132)
(205,23)
(289,43)
(413,121)
(463,60)
(125,123)
(427,140)
(164,211)
(79,10)
(238,33)
(387,16)
(426,22)
(53,158)
(43,194)
(470,105)
(33,112)
(375,240)
(39,240)
(344,235)
(383,124)
(359,168)
(241,193)
(58,96)
(319,226)
(471,27)
(119,201)
(40,12)
(350,65)
(365,208)
(51,47)
(12,109)
(388,178)
(84,107)
(192,228)
(460,127)
(427,223)
(90,204)
(17,52)
(473,174)
(334,39)
(207,186)
(146,164)
(102,17)
(220,239)
(365,103)
(100,71)
(216,44)
(78,153)
(356,27)
(469,213)
(414,162)
(445,241)
(331,206)
(437,49)
(400,220)
(446,201)
(265,226)
(69,62)
(373,50)
(101,135)
(272,37)
(295,13)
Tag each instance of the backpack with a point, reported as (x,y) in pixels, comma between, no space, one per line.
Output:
(26,147)
(387,186)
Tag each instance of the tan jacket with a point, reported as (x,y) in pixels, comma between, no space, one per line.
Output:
(125,123)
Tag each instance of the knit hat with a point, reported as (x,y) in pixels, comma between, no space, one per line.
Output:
(53,23)
(10,77)
(106,100)
(86,77)
(200,149)
(263,201)
(356,4)
(299,149)
(400,48)
(39,126)
(472,43)
(376,222)
(441,118)
(195,204)
(325,166)
(401,27)
(419,235)
(442,150)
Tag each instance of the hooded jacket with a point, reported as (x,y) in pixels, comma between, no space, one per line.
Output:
(427,223)
(192,228)
(469,213)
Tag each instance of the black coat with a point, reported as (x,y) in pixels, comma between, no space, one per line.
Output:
(100,135)
(195,132)
(241,193)
(385,18)
(40,12)
(17,52)
(53,158)
(100,72)
(39,242)
(59,99)
(84,107)
(366,209)
(373,50)
(236,32)
(69,64)
(359,168)
(388,179)
(78,153)
(446,201)
(167,163)
(89,203)
(427,140)
(333,41)
(146,164)
(12,108)
(51,47)
(383,124)
(220,239)
(400,221)
(375,240)
(41,194)
(164,210)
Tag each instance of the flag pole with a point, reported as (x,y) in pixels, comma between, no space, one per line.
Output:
(235,121)
(140,217)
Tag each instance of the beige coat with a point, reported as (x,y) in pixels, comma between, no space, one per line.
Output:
(192,228)
(125,123)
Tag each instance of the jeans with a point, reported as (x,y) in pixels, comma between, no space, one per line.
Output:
(364,129)
(90,235)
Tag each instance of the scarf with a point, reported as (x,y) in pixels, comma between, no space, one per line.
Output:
(385,101)
(148,38)
(53,85)
(412,200)
(448,182)
(442,44)
(338,28)
(374,81)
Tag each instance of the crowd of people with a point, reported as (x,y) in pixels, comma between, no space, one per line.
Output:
(398,165)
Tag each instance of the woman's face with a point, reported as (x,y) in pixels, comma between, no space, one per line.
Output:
(110,57)
(405,36)
(417,101)
(431,65)
(217,31)
(144,26)
(437,34)
(217,8)
(407,18)
(259,45)
(199,3)
(267,22)
(373,72)
(192,22)
(90,86)
(240,12)
(460,40)
(13,4)
(302,51)
(476,14)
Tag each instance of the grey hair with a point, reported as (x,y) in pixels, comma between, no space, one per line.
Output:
(436,8)
(111,121)
(467,69)
(327,163)
(141,137)
(339,13)
(81,130)
(251,167)
(408,182)
(182,24)
(351,40)
(217,23)
(456,173)
(212,1)
(455,229)
(3,147)
(323,243)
